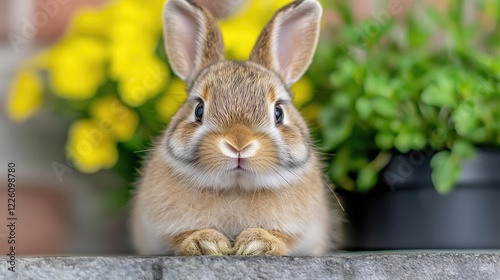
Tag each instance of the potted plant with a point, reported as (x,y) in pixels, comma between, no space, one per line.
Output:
(412,128)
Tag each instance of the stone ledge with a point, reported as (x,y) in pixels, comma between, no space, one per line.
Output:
(369,265)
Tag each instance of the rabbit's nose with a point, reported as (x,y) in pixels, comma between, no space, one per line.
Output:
(232,150)
(239,141)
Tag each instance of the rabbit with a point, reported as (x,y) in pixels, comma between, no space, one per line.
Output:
(235,172)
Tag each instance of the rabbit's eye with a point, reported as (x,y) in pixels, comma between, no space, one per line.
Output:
(279,114)
(198,112)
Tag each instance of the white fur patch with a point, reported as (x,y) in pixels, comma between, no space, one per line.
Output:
(276,178)
(251,247)
(313,238)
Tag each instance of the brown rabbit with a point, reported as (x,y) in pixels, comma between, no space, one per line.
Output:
(235,171)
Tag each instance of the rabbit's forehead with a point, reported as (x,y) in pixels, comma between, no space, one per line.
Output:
(240,89)
(240,80)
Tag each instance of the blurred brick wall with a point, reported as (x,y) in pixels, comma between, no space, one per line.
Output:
(43,225)
(54,16)
(3,19)
(58,20)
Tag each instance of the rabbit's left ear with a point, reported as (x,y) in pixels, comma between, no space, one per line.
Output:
(192,38)
(288,41)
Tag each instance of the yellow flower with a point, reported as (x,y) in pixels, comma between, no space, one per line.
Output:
(25,96)
(155,10)
(239,38)
(137,12)
(172,100)
(302,91)
(133,38)
(119,119)
(126,58)
(241,30)
(143,82)
(77,66)
(90,146)
(90,21)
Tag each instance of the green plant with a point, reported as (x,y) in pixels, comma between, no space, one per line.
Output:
(431,81)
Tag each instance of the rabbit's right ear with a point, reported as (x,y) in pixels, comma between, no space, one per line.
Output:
(288,41)
(192,38)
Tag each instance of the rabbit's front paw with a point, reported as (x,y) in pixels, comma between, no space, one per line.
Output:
(259,241)
(202,242)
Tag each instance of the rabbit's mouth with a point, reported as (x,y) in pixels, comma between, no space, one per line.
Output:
(239,164)
(238,168)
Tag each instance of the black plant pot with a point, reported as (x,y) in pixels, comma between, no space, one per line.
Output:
(405,212)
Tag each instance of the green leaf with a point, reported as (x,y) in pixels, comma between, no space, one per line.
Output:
(345,72)
(446,171)
(364,107)
(385,107)
(433,15)
(358,163)
(326,115)
(342,100)
(395,125)
(341,163)
(337,131)
(367,178)
(376,84)
(466,119)
(417,34)
(438,96)
(403,141)
(407,140)
(481,135)
(384,140)
(463,149)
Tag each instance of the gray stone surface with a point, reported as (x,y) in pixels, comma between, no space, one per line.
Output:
(389,265)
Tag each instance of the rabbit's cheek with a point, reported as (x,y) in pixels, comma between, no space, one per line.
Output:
(181,144)
(292,149)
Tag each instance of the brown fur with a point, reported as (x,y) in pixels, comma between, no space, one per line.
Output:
(232,209)
(201,242)
(192,199)
(258,241)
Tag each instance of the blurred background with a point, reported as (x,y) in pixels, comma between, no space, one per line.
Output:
(85,86)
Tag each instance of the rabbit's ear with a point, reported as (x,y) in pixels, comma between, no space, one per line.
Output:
(288,41)
(192,38)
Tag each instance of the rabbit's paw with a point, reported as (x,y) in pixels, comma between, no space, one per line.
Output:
(259,241)
(202,242)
